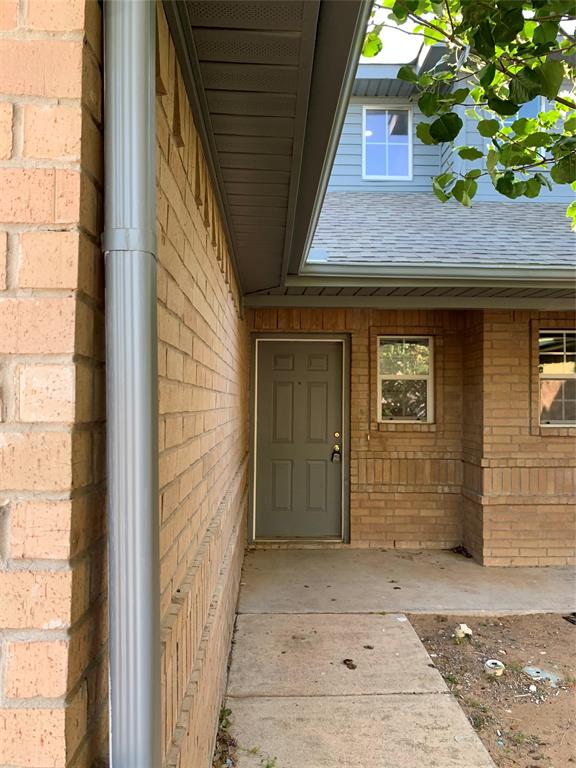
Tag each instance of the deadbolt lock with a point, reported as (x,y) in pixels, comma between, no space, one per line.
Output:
(336,435)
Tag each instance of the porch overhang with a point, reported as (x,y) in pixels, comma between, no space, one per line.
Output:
(269,81)
(423,287)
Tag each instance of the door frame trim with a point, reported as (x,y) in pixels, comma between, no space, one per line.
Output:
(344,340)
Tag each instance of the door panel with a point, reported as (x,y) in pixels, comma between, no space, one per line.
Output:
(298,411)
(283,400)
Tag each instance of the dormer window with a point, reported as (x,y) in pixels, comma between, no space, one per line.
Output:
(387,143)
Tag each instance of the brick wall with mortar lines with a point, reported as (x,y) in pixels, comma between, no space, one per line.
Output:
(485,473)
(528,471)
(203,383)
(472,433)
(405,480)
(52,575)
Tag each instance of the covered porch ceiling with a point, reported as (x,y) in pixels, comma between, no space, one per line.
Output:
(268,81)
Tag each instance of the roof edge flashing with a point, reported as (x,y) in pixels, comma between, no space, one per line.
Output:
(323,273)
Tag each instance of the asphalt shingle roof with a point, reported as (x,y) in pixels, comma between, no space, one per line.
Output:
(415,228)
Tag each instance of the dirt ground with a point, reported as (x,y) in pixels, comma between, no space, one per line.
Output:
(520,726)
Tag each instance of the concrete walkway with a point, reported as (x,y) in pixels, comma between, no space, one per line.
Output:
(365,581)
(302,613)
(295,704)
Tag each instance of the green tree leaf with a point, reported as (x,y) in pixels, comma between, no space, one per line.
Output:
(505,184)
(488,128)
(440,194)
(446,127)
(537,139)
(407,73)
(491,161)
(502,106)
(470,153)
(564,171)
(464,191)
(546,32)
(525,85)
(509,25)
(372,45)
(486,75)
(520,126)
(423,133)
(499,55)
(484,39)
(533,187)
(551,75)
(428,103)
(459,95)
(402,8)
(571,214)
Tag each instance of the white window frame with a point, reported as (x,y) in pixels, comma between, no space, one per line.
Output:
(553,377)
(403,377)
(388,108)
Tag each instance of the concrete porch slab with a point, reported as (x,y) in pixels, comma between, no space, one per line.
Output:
(396,731)
(365,581)
(302,655)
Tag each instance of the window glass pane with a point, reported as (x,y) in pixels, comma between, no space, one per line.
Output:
(557,401)
(404,399)
(376,120)
(376,160)
(551,343)
(398,125)
(408,357)
(398,160)
(571,343)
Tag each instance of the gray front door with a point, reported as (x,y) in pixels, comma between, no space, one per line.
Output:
(298,424)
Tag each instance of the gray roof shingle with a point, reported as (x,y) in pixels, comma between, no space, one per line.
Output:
(389,229)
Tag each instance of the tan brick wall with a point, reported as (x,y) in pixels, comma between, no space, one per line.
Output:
(528,472)
(485,473)
(203,370)
(405,480)
(52,611)
(472,433)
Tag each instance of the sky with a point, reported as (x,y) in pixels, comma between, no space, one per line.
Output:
(398,46)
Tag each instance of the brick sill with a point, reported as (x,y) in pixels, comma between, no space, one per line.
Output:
(407,426)
(556,431)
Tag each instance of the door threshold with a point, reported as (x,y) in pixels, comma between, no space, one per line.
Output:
(334,543)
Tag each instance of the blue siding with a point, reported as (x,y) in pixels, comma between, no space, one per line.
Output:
(347,170)
(427,161)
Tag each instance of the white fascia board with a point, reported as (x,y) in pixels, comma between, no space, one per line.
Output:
(322,274)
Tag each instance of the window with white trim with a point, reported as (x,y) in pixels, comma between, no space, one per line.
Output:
(405,372)
(557,366)
(387,143)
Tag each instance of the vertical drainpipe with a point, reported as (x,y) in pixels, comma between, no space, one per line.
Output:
(132,383)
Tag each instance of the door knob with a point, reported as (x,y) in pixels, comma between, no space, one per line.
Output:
(335,454)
